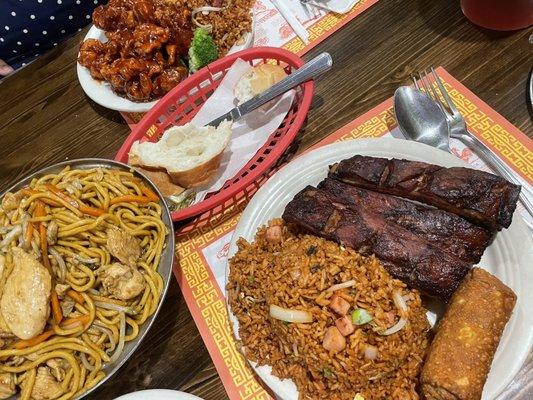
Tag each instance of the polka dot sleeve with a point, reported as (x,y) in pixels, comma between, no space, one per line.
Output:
(28,28)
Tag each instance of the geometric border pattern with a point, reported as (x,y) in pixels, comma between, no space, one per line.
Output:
(206,300)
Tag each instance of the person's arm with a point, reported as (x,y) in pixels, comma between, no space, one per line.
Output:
(4,68)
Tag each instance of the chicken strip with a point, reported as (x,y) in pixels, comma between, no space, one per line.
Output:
(26,297)
(121,281)
(7,385)
(123,246)
(46,387)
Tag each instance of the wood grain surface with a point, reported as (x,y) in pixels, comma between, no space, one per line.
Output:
(46,118)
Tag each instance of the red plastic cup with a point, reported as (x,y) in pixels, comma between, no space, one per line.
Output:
(500,15)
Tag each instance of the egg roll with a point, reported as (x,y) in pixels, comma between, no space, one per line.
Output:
(467,337)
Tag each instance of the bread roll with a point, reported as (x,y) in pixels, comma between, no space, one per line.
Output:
(190,155)
(257,80)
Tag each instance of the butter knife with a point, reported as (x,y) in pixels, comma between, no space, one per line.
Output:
(306,72)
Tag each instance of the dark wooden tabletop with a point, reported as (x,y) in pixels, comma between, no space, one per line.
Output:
(46,118)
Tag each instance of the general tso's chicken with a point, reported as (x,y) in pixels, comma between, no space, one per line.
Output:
(123,246)
(140,90)
(144,38)
(168,79)
(7,385)
(121,281)
(26,297)
(149,37)
(46,387)
(178,21)
(123,73)
(93,56)
(109,17)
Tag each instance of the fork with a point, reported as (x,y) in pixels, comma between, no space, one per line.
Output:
(458,130)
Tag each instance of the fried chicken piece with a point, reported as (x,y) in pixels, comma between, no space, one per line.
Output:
(143,10)
(109,17)
(141,89)
(122,282)
(26,296)
(46,387)
(178,21)
(171,53)
(123,246)
(149,37)
(123,41)
(93,56)
(7,385)
(168,79)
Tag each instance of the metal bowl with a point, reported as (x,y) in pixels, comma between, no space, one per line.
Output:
(165,263)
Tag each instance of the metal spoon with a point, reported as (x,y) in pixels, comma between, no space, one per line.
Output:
(420,119)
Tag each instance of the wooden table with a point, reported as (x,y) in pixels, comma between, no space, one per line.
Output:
(47,118)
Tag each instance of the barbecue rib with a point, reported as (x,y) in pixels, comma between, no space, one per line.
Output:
(406,255)
(442,229)
(478,196)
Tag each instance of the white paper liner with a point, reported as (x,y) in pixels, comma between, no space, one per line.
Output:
(248,134)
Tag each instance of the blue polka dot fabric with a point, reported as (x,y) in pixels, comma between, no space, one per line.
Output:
(30,27)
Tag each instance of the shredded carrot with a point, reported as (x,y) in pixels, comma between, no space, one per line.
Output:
(148,193)
(75,296)
(28,236)
(41,212)
(22,344)
(131,199)
(72,322)
(95,212)
(56,308)
(39,209)
(31,192)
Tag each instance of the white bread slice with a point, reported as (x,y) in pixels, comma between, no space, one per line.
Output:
(190,155)
(257,80)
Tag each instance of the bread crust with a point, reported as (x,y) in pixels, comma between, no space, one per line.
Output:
(199,175)
(161,179)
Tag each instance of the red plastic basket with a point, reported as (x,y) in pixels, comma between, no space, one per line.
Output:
(181,104)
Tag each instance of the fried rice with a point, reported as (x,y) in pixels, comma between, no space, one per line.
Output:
(229,25)
(295,273)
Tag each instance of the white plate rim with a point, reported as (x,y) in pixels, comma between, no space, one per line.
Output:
(160,394)
(302,171)
(100,91)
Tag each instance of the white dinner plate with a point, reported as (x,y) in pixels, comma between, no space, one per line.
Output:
(509,257)
(158,394)
(100,91)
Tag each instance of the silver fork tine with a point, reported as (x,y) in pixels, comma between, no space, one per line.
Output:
(437,98)
(425,84)
(433,94)
(415,81)
(444,92)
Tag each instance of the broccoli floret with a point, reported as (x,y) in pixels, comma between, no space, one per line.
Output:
(203,50)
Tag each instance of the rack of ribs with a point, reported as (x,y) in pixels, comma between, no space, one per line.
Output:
(441,229)
(406,255)
(482,198)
